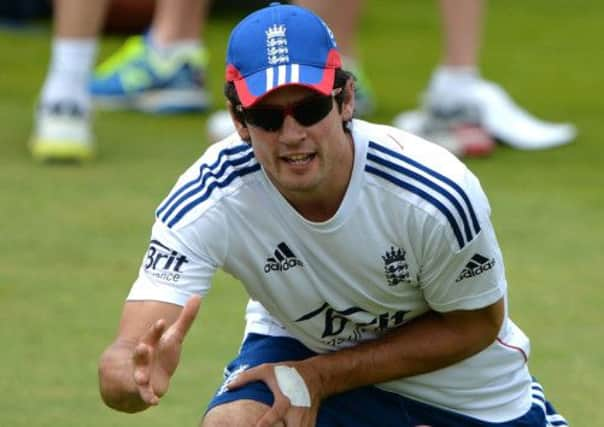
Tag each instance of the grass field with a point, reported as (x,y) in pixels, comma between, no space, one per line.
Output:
(72,237)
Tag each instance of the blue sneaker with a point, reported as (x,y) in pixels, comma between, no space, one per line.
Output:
(138,78)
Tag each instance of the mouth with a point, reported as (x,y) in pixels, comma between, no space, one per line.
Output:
(298,159)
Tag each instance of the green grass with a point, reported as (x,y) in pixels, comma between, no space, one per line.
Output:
(73,237)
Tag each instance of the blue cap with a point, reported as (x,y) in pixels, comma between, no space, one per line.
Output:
(277,46)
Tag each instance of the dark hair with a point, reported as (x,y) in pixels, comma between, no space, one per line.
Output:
(340,80)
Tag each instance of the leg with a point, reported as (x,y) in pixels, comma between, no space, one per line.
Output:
(244,406)
(162,71)
(240,413)
(176,20)
(62,124)
(77,19)
(462,25)
(343,17)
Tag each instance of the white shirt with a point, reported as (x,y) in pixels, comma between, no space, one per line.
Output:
(412,234)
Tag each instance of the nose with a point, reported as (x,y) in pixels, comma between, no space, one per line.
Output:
(291,132)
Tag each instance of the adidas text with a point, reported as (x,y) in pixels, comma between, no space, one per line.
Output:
(283,260)
(476,266)
(284,265)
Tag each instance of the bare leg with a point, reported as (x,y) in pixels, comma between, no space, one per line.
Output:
(176,20)
(241,413)
(462,31)
(79,19)
(343,18)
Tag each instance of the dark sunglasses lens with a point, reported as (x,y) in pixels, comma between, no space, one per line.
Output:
(269,119)
(307,112)
(313,110)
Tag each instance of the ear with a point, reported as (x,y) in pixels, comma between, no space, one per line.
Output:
(240,125)
(349,103)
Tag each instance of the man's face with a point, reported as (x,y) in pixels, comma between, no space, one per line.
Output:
(304,161)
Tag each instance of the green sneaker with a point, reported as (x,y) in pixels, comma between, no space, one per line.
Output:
(137,77)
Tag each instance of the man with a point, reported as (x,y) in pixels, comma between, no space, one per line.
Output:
(377,285)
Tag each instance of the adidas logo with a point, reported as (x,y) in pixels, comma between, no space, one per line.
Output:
(477,265)
(283,260)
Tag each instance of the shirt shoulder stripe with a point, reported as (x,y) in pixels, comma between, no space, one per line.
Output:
(236,173)
(444,179)
(440,191)
(442,208)
(199,180)
(229,163)
(205,177)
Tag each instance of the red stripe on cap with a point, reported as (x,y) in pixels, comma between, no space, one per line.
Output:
(325,86)
(333,59)
(232,73)
(245,96)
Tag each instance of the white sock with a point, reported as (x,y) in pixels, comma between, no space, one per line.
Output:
(175,48)
(69,71)
(454,78)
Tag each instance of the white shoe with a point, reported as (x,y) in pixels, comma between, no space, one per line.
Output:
(62,132)
(464,139)
(497,113)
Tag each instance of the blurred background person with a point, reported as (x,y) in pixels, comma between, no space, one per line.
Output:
(162,71)
(457,94)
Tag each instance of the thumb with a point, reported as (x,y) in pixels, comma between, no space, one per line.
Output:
(244,377)
(187,316)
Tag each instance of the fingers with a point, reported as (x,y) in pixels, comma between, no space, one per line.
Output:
(283,409)
(277,413)
(187,316)
(142,359)
(152,336)
(247,376)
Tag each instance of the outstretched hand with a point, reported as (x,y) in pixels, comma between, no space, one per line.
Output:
(290,405)
(157,354)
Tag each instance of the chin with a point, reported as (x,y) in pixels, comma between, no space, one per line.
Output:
(299,185)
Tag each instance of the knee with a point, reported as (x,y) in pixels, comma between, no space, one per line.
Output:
(240,413)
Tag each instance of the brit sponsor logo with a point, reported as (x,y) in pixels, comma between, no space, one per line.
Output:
(353,324)
(283,260)
(163,262)
(477,265)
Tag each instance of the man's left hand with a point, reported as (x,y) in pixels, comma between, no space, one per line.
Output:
(296,400)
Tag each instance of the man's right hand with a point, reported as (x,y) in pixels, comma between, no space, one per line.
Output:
(157,354)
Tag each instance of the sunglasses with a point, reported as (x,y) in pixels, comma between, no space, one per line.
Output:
(307,112)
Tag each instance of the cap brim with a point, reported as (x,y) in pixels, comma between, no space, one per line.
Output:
(255,86)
